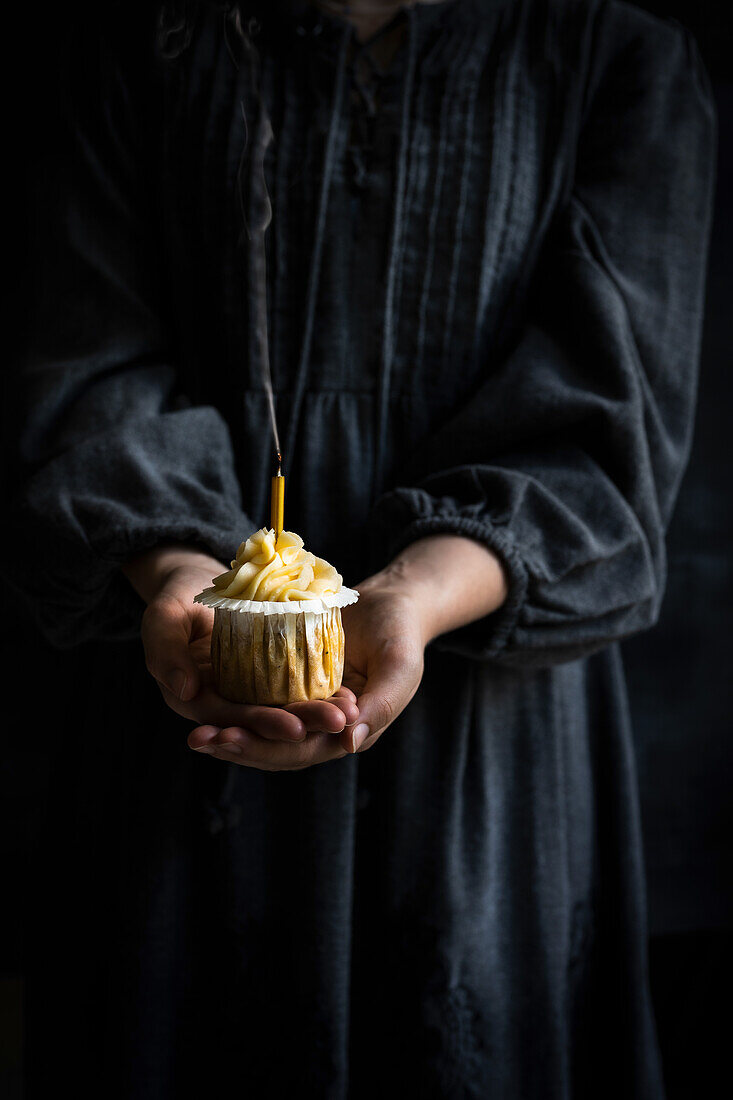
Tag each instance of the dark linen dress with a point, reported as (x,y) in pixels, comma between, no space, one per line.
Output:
(486,272)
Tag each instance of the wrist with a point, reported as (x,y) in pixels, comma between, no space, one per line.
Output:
(452,580)
(148,572)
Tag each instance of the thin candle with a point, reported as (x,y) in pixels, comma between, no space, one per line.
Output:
(277,499)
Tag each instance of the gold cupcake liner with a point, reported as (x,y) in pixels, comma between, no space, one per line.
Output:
(277,658)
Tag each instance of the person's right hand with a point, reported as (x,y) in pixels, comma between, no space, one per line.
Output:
(176,635)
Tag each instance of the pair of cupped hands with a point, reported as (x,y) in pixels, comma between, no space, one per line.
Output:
(436,584)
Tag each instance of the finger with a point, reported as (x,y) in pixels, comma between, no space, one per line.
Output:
(319,715)
(210,709)
(202,737)
(166,632)
(350,710)
(254,752)
(344,693)
(278,756)
(280,723)
(210,740)
(392,680)
(230,743)
(272,723)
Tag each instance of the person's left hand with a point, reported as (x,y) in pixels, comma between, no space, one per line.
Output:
(385,648)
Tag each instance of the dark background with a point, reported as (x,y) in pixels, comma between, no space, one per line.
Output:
(679,673)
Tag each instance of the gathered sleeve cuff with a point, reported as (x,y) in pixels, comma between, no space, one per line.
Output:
(406,515)
(163,479)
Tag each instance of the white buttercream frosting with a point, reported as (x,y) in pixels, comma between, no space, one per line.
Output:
(277,575)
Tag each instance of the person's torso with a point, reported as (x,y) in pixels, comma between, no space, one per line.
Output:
(435,186)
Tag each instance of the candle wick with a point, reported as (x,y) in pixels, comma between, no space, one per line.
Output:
(279,464)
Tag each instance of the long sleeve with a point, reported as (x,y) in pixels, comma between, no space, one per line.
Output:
(113,457)
(567,459)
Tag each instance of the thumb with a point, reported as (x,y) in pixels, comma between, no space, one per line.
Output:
(166,633)
(393,678)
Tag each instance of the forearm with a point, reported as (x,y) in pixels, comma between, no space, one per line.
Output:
(455,579)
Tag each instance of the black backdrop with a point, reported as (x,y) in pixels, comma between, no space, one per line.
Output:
(679,674)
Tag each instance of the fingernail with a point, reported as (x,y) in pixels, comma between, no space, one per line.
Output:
(230,746)
(359,736)
(207,749)
(178,683)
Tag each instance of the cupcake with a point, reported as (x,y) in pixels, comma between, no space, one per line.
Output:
(277,634)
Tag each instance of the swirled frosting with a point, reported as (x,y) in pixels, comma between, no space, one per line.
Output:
(278,570)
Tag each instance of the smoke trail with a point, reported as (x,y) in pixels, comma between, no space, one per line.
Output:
(256,210)
(260,218)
